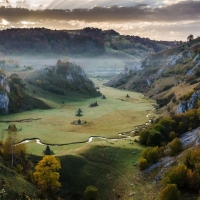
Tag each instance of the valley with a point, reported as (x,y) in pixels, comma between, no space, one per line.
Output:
(106,163)
(113,115)
(99,110)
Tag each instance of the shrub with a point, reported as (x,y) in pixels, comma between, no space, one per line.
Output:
(155,137)
(38,82)
(176,175)
(151,154)
(175,146)
(193,179)
(172,135)
(91,193)
(166,87)
(192,158)
(143,163)
(187,96)
(169,125)
(144,134)
(170,192)
(164,101)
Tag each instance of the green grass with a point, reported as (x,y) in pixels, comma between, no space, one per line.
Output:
(15,184)
(107,165)
(113,115)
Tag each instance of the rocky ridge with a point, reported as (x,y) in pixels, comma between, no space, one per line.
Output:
(155,65)
(5,88)
(165,76)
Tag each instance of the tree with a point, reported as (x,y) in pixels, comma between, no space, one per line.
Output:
(192,158)
(13,152)
(190,38)
(91,193)
(144,134)
(175,146)
(46,174)
(155,137)
(168,125)
(47,151)
(170,192)
(176,175)
(193,179)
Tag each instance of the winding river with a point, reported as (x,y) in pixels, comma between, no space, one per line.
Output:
(38,141)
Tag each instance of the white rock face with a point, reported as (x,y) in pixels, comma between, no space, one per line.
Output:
(172,60)
(190,104)
(69,77)
(137,66)
(4,83)
(4,102)
(149,82)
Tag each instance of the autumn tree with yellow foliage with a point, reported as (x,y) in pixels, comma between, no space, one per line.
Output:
(46,174)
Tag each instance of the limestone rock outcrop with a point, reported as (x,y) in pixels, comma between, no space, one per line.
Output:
(190,104)
(4,102)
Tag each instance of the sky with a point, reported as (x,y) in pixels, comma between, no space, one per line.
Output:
(159,20)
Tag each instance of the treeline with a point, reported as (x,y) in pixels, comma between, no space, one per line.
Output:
(89,41)
(41,40)
(184,176)
(151,44)
(167,128)
(162,137)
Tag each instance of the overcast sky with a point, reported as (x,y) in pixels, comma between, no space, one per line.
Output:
(156,19)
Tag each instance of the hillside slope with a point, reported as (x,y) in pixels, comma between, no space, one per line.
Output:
(13,185)
(87,42)
(33,89)
(165,75)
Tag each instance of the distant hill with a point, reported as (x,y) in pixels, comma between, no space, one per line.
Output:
(25,91)
(87,42)
(165,76)
(62,78)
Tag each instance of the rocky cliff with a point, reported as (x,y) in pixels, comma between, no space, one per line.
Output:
(4,89)
(190,104)
(4,85)
(182,60)
(4,102)
(165,76)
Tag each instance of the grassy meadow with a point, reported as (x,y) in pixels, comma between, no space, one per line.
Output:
(114,115)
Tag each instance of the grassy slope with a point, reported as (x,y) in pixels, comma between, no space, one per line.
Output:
(15,184)
(108,166)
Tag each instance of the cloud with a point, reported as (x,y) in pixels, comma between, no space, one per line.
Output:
(169,22)
(185,10)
